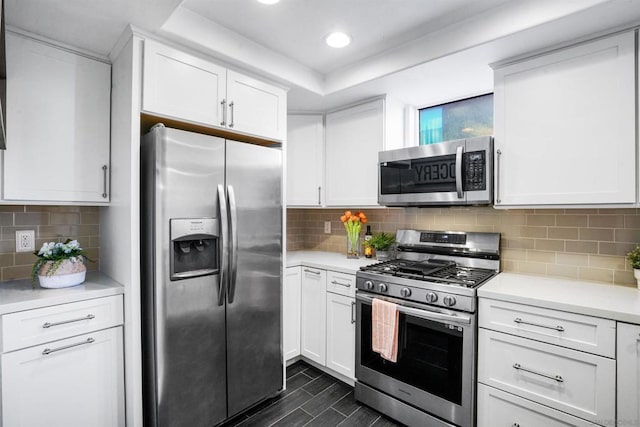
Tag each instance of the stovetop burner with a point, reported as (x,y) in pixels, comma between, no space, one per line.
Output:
(433,270)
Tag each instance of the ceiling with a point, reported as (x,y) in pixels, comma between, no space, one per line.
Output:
(420,52)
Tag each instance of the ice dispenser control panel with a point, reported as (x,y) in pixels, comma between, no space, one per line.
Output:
(194,247)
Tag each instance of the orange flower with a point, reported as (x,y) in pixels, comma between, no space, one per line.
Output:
(343,218)
(347,213)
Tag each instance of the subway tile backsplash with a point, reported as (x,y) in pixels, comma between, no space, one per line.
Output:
(51,224)
(585,244)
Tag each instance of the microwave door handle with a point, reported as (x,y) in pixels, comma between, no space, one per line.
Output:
(224,238)
(459,172)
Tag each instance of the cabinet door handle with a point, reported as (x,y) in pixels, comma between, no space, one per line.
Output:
(515,425)
(353,312)
(311,271)
(499,153)
(555,328)
(104,173)
(64,347)
(319,199)
(346,285)
(557,378)
(231,105)
(224,112)
(79,319)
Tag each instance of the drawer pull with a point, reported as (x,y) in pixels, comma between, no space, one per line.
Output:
(555,328)
(64,347)
(80,319)
(557,378)
(311,271)
(346,285)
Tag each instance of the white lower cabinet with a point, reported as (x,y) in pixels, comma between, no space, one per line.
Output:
(628,349)
(578,383)
(544,367)
(313,327)
(327,319)
(291,313)
(498,408)
(341,330)
(77,380)
(72,382)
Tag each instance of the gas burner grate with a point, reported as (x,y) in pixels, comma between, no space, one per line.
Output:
(437,271)
(466,276)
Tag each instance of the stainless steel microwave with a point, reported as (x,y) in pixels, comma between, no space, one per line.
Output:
(456,172)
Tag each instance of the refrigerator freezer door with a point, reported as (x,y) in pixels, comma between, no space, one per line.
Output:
(254,369)
(184,350)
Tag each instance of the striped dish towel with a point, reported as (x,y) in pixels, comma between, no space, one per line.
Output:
(384,328)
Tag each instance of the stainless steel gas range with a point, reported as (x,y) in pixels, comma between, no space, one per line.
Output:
(433,282)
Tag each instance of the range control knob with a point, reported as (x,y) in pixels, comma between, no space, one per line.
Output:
(449,301)
(405,292)
(382,287)
(432,297)
(368,284)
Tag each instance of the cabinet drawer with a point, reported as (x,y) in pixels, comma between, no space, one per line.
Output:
(576,331)
(497,408)
(578,383)
(340,283)
(32,327)
(77,381)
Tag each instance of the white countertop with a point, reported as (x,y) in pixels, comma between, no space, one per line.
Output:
(328,261)
(595,299)
(19,295)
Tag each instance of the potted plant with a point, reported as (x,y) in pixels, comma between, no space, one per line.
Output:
(382,243)
(634,260)
(60,265)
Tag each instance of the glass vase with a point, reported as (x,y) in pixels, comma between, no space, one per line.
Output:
(353,246)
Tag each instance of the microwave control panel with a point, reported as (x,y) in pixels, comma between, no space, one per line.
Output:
(474,164)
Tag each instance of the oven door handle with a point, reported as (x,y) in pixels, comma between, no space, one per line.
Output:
(420,313)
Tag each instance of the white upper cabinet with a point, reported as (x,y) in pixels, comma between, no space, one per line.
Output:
(58,125)
(256,107)
(354,136)
(565,126)
(180,85)
(183,86)
(305,160)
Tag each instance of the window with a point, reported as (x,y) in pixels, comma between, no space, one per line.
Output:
(456,120)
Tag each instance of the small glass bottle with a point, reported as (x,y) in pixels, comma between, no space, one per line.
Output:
(368,250)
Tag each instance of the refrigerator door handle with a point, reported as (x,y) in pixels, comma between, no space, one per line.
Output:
(233,232)
(224,238)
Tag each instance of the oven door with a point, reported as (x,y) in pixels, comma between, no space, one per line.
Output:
(448,173)
(435,369)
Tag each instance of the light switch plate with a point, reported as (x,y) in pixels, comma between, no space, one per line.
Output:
(25,240)
(327,227)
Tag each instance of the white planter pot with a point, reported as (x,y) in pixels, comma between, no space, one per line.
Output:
(68,274)
(636,274)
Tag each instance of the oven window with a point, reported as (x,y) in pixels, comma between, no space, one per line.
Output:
(429,356)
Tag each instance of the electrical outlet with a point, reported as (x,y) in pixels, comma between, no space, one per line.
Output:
(327,227)
(25,241)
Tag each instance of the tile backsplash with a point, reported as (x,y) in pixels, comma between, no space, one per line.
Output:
(51,224)
(586,244)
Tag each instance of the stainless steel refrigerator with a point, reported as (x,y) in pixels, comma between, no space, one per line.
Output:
(211,225)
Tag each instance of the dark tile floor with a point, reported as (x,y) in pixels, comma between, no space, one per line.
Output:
(312,399)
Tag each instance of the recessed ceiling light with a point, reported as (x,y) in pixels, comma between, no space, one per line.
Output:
(268,1)
(337,39)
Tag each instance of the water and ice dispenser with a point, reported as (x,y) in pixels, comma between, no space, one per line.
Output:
(194,247)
